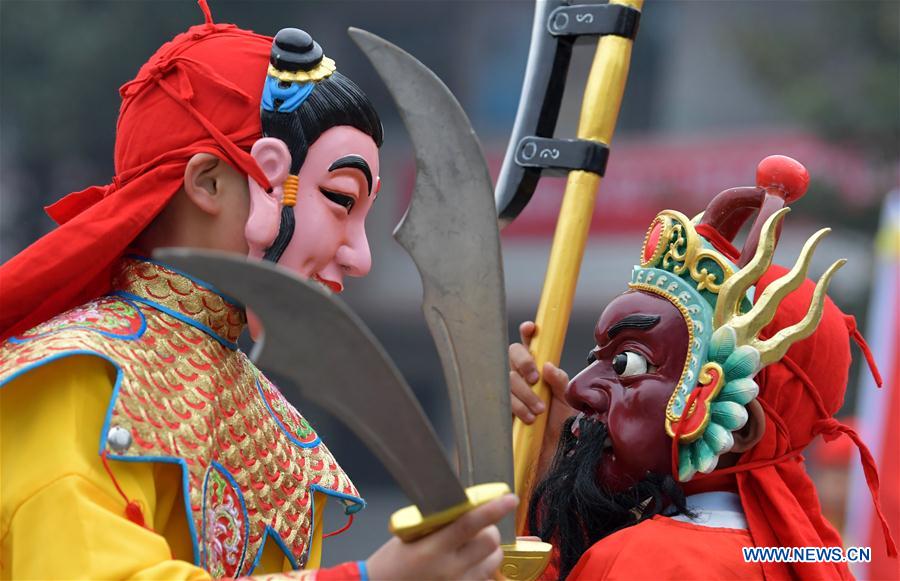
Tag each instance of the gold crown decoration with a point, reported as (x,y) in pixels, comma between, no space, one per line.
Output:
(673,244)
(323,70)
(735,353)
(712,291)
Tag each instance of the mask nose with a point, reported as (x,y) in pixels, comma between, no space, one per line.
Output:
(586,394)
(354,257)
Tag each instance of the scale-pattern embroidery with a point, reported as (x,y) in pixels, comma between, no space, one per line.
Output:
(185,395)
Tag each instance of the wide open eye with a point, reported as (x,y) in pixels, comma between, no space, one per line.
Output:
(339,199)
(628,363)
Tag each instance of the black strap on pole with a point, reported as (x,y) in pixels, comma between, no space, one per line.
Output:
(594,19)
(557,157)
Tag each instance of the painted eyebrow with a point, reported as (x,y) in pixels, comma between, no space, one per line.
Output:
(354,162)
(636,321)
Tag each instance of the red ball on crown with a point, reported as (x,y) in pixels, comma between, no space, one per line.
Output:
(782,176)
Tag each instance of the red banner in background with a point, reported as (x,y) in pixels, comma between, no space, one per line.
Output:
(646,175)
(877,410)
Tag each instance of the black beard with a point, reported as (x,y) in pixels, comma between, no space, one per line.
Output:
(572,511)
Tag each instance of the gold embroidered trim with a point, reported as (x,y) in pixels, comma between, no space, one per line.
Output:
(677,230)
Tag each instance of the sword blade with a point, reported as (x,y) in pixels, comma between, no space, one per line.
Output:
(328,355)
(450,230)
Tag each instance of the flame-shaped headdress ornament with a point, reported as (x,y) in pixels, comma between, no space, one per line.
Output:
(725,351)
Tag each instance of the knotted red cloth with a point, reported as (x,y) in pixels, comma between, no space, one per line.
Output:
(799,396)
(199,93)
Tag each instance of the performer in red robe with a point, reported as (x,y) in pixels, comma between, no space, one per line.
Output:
(137,440)
(709,378)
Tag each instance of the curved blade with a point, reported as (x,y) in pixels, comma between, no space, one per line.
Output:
(539,106)
(326,352)
(451,232)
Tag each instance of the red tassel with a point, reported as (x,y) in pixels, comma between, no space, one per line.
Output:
(834,428)
(207,13)
(132,508)
(134,514)
(864,347)
(340,530)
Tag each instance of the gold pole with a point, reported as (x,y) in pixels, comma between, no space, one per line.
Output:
(599,111)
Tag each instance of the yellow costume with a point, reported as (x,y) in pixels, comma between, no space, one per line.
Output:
(225,474)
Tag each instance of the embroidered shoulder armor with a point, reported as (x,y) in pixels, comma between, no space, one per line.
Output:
(185,394)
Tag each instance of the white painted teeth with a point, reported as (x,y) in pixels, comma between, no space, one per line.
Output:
(576,425)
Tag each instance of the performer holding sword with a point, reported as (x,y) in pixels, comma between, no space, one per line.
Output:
(137,440)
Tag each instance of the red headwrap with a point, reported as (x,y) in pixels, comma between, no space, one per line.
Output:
(799,396)
(200,93)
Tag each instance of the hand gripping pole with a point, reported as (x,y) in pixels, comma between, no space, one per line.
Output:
(599,111)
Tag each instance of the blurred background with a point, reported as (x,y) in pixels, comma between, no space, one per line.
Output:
(714,87)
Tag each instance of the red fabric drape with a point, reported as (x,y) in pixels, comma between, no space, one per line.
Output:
(200,93)
(799,395)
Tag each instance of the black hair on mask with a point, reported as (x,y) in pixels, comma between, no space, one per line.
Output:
(335,101)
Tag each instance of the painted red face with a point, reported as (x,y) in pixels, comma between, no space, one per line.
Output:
(640,354)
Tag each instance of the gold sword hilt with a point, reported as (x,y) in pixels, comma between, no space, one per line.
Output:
(523,560)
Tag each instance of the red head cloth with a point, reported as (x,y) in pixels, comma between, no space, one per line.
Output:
(200,93)
(799,396)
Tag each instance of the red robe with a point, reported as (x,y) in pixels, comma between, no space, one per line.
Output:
(665,548)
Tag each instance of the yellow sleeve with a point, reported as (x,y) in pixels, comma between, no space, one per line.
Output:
(315,548)
(60,514)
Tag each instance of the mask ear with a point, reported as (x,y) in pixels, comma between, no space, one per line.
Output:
(274,159)
(753,430)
